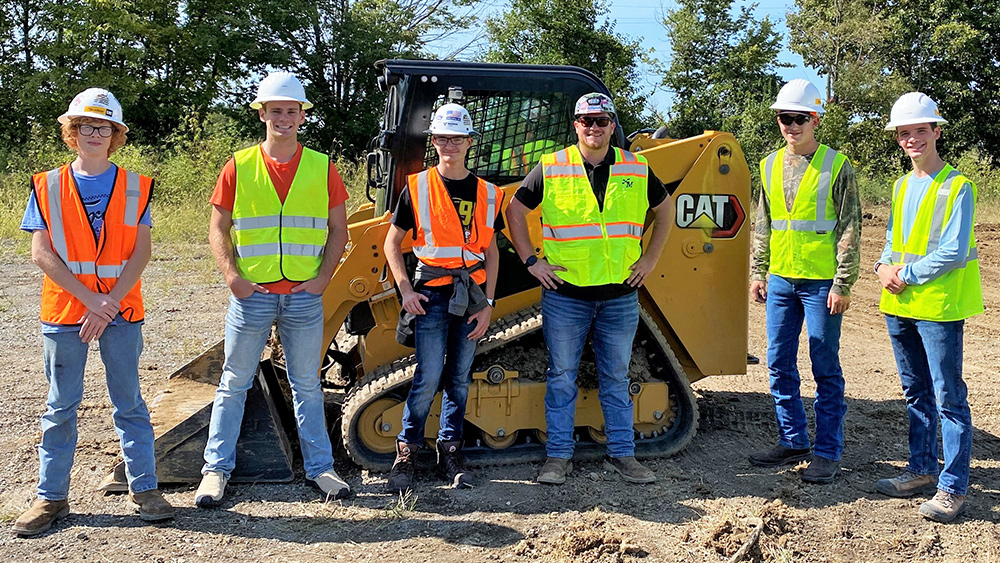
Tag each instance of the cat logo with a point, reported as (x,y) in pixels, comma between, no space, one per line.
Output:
(721,214)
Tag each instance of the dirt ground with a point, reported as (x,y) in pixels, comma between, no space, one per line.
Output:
(705,505)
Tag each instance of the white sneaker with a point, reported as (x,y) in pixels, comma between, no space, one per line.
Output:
(332,485)
(211,490)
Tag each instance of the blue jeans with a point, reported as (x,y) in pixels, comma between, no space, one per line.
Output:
(929,359)
(65,357)
(565,323)
(788,304)
(300,327)
(444,358)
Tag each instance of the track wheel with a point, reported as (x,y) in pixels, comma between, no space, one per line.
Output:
(597,435)
(541,436)
(499,442)
(368,431)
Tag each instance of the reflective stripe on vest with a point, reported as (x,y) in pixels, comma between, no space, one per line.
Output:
(803,240)
(440,235)
(97,264)
(596,247)
(275,240)
(956,293)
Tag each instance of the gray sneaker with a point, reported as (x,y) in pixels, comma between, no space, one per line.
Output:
(555,470)
(944,507)
(821,470)
(906,485)
(630,469)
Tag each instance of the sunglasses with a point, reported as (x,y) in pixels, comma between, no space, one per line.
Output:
(591,121)
(797,118)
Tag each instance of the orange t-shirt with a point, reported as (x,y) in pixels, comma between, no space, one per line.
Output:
(282,174)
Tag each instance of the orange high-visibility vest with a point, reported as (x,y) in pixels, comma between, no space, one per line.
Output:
(96,263)
(440,236)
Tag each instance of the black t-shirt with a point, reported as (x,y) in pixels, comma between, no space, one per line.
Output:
(532,190)
(463,194)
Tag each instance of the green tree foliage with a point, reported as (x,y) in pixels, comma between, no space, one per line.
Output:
(722,72)
(570,32)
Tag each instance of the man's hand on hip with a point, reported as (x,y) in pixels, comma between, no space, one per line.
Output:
(546,273)
(315,286)
(482,320)
(640,269)
(243,288)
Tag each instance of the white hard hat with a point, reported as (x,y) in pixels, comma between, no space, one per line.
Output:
(280,87)
(594,102)
(913,108)
(799,95)
(451,119)
(95,102)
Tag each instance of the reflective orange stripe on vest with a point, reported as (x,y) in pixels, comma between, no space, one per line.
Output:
(440,236)
(96,263)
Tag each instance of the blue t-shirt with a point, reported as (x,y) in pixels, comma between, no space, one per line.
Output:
(95,192)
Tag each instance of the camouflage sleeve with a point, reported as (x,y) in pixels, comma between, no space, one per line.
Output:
(761,241)
(848,202)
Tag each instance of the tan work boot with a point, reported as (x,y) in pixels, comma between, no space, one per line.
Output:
(40,516)
(152,506)
(906,485)
(630,469)
(944,507)
(211,490)
(332,485)
(554,471)
(401,474)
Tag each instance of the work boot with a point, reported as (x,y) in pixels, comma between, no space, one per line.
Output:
(401,474)
(779,455)
(906,485)
(555,470)
(821,470)
(630,469)
(152,506)
(944,507)
(332,485)
(40,516)
(211,490)
(451,465)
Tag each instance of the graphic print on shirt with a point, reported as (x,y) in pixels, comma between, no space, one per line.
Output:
(96,205)
(465,210)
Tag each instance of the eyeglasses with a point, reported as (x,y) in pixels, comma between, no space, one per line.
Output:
(445,141)
(797,118)
(591,121)
(88,130)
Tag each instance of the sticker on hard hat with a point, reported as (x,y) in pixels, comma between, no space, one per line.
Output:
(102,99)
(97,109)
(722,214)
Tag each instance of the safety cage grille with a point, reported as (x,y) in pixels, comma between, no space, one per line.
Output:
(516,129)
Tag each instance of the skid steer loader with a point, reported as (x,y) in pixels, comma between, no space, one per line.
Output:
(693,306)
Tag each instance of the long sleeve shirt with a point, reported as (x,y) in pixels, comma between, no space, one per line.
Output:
(848,232)
(953,247)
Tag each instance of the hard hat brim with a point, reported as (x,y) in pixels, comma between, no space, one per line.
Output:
(64,118)
(797,107)
(892,125)
(432,131)
(259,102)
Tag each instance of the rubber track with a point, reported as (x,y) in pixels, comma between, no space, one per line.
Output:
(395,378)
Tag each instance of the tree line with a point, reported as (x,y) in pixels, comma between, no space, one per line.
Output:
(184,69)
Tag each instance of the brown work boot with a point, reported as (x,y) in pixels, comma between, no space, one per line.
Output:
(555,470)
(906,485)
(944,507)
(451,465)
(40,516)
(152,506)
(401,474)
(630,469)
(779,455)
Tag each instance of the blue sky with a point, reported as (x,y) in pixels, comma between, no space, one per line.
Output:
(640,20)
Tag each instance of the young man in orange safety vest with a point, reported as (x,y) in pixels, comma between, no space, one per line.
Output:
(90,234)
(278,230)
(453,216)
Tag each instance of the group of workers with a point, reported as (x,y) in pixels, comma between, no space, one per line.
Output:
(278,229)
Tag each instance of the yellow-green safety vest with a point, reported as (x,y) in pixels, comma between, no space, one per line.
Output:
(803,242)
(595,247)
(953,296)
(274,241)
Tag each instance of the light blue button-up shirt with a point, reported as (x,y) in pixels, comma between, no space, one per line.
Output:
(953,247)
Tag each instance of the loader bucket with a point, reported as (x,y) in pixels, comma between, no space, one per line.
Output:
(181,414)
